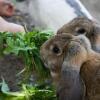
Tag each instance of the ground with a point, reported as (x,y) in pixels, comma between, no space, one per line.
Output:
(10,66)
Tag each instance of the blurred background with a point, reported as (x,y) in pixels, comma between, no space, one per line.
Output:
(24,16)
(93,6)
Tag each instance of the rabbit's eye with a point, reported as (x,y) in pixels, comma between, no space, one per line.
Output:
(81,31)
(56,50)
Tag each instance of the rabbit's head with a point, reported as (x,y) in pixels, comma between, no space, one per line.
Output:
(79,25)
(84,26)
(64,54)
(64,49)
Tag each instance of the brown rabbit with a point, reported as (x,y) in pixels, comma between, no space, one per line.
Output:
(82,25)
(66,55)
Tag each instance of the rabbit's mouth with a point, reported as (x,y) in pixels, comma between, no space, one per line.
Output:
(44,61)
(51,64)
(46,65)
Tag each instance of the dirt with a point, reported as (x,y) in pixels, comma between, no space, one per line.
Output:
(10,66)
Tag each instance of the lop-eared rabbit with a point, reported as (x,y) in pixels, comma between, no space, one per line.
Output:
(85,26)
(74,66)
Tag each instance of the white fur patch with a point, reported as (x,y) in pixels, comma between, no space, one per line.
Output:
(53,14)
(53,74)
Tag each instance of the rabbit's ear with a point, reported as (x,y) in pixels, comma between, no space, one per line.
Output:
(69,84)
(70,81)
(75,54)
(95,37)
